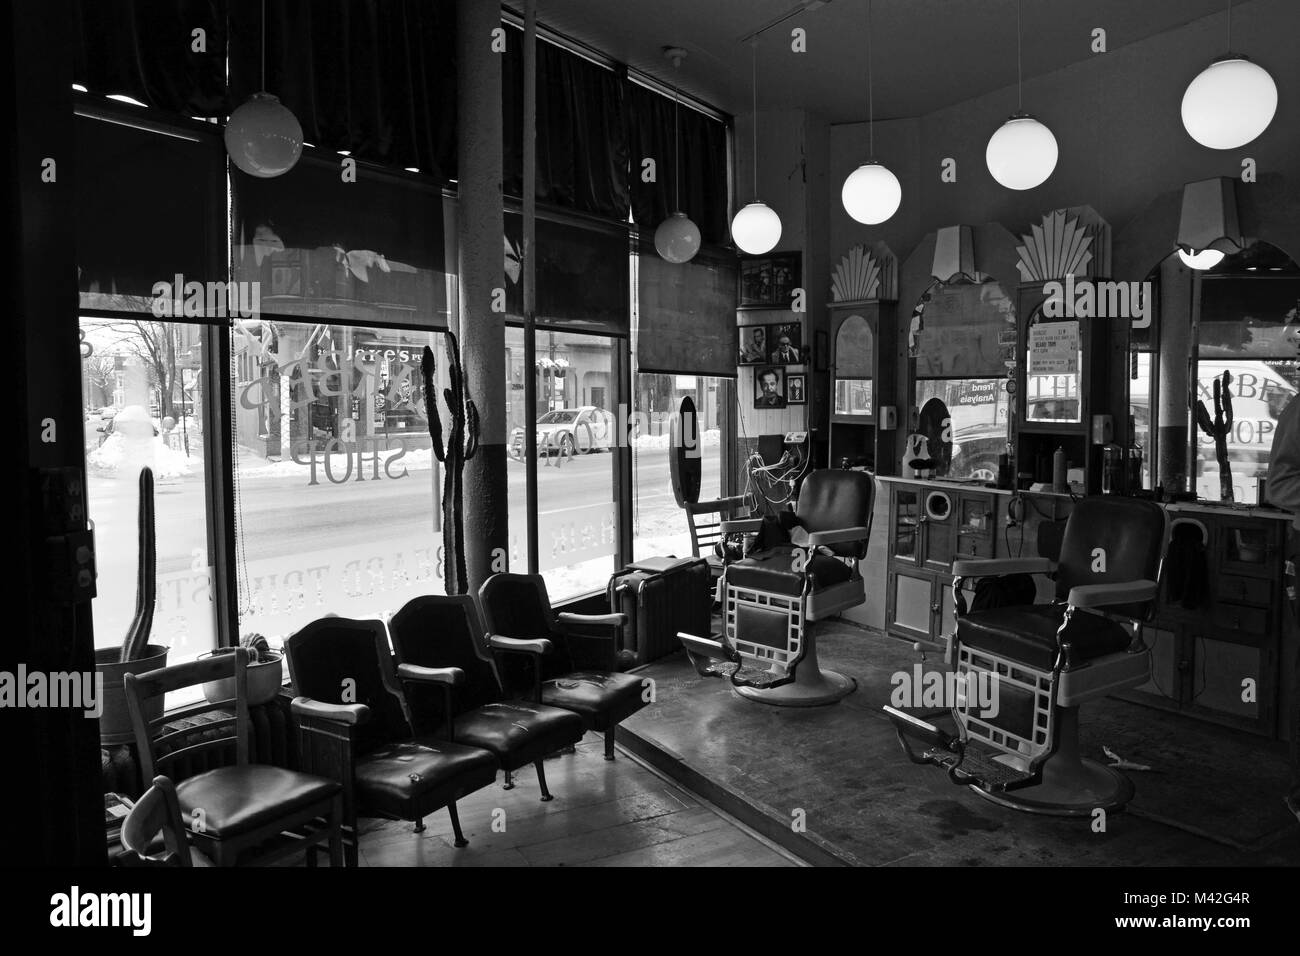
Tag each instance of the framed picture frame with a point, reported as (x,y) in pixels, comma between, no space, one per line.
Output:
(751,345)
(785,344)
(769,281)
(769,387)
(796,389)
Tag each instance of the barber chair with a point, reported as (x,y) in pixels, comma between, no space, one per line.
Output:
(1047,661)
(238,812)
(770,598)
(436,631)
(354,721)
(578,666)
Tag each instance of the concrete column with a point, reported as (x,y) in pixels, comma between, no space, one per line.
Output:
(1175,349)
(480,227)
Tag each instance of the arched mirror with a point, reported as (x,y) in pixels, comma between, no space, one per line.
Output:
(855,362)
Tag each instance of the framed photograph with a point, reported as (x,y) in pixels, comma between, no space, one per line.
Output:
(770,280)
(821,354)
(796,389)
(752,345)
(785,344)
(769,387)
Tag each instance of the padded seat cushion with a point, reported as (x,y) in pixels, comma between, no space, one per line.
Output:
(600,698)
(412,779)
(237,800)
(771,570)
(1028,634)
(518,732)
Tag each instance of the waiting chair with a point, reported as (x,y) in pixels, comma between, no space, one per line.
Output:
(770,598)
(1047,660)
(354,721)
(240,812)
(579,669)
(157,813)
(444,632)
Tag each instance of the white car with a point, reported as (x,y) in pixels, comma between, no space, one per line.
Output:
(569,432)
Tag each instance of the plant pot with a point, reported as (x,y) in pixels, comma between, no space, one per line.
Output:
(264,681)
(115,721)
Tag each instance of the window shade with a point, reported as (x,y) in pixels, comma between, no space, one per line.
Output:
(686,314)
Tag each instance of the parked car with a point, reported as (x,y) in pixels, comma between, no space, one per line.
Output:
(568,432)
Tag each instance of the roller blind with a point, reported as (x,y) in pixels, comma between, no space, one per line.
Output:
(686,313)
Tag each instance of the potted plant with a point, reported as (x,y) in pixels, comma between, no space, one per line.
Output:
(265,673)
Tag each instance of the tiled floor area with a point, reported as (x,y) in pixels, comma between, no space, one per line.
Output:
(603,814)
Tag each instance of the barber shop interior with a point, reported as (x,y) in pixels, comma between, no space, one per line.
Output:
(699,433)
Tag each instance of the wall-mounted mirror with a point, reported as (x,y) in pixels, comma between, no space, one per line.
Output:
(855,362)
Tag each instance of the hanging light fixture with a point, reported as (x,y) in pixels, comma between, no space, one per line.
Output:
(1208,228)
(871,193)
(756,229)
(677,239)
(263,137)
(1231,101)
(1023,152)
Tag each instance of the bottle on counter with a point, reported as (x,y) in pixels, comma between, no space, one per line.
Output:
(1060,483)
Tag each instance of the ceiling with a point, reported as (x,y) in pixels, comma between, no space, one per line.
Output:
(927,54)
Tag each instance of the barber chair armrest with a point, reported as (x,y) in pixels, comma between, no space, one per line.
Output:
(839,536)
(538,647)
(1107,595)
(713,507)
(742,526)
(989,567)
(612,621)
(347,714)
(446,676)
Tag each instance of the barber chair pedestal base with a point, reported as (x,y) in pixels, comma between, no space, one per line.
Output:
(811,687)
(1072,785)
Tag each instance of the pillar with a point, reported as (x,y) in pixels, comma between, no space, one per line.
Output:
(1175,331)
(479,228)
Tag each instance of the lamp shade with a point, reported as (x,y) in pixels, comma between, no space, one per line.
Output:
(756,229)
(1022,153)
(871,194)
(1229,103)
(263,137)
(1202,259)
(677,239)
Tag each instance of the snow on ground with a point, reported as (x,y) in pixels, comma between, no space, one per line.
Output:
(129,455)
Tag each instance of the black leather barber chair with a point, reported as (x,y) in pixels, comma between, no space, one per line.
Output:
(354,721)
(1019,745)
(579,669)
(438,631)
(767,648)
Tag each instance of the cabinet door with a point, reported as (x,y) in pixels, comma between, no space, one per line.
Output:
(976,527)
(1250,547)
(905,540)
(910,606)
(1233,683)
(938,529)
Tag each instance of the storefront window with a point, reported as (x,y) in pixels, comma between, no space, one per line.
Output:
(142,390)
(336,485)
(659,525)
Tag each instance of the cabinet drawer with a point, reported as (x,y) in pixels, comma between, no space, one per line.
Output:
(1240,619)
(1239,590)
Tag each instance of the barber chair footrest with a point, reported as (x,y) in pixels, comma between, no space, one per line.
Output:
(975,765)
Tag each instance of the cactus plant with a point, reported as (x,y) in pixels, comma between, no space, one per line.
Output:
(137,635)
(462,442)
(1219,429)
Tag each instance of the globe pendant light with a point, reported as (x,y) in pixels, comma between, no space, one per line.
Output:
(871,193)
(263,137)
(1022,153)
(756,229)
(677,239)
(1231,102)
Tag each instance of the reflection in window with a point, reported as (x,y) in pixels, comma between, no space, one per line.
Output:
(1140,409)
(1055,356)
(334,473)
(978,412)
(143,396)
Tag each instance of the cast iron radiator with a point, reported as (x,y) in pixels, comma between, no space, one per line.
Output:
(273,740)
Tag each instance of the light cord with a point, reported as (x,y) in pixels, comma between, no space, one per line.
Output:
(1229,26)
(871,97)
(263,46)
(1020,73)
(754,87)
(677,149)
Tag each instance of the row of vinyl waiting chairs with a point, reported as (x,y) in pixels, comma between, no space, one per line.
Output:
(395,720)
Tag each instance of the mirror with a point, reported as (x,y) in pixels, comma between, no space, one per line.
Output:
(855,359)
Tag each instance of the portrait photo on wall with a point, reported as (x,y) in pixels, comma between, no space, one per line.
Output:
(770,280)
(769,387)
(785,343)
(796,389)
(752,345)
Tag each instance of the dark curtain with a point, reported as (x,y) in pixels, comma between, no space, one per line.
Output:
(375,77)
(145,49)
(690,310)
(582,130)
(703,163)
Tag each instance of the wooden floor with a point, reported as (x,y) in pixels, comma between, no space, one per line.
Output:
(604,814)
